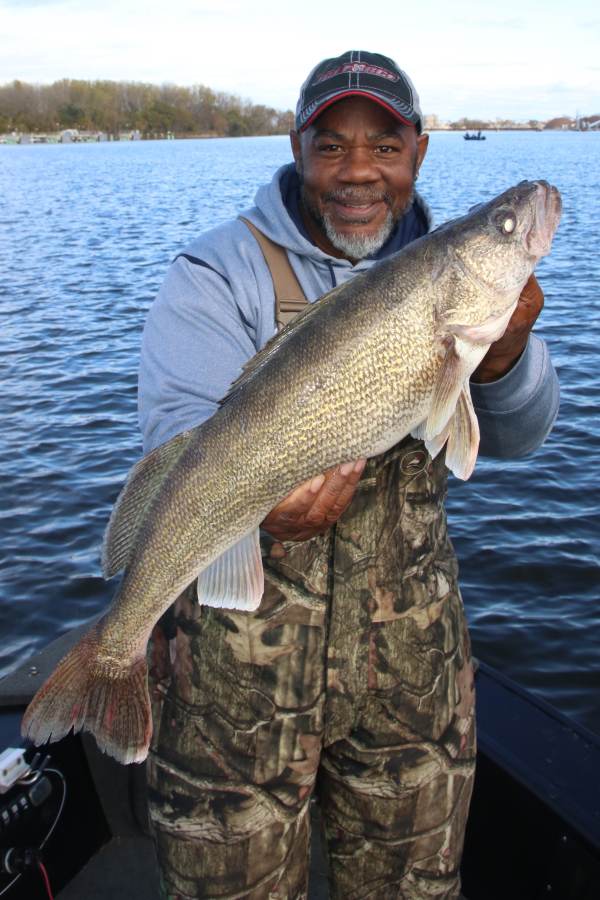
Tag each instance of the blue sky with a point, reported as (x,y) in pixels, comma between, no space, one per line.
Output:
(527,59)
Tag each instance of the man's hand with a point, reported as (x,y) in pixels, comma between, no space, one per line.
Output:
(502,355)
(313,506)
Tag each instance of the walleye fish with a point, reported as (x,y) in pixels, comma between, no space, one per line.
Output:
(387,354)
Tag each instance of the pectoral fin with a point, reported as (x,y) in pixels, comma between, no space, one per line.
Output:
(464,348)
(463,437)
(460,435)
(435,444)
(452,419)
(236,579)
(450,379)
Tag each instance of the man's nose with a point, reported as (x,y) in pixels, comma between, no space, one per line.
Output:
(358,166)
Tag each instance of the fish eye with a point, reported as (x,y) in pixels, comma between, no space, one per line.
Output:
(506,222)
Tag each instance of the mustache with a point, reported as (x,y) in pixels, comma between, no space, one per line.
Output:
(359,196)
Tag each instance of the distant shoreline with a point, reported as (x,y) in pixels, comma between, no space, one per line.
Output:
(31,138)
(76,107)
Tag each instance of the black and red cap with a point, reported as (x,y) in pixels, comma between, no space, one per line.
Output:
(358,72)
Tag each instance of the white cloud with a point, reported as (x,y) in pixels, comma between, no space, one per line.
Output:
(464,62)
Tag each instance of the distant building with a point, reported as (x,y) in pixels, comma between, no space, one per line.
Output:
(432,122)
(561,123)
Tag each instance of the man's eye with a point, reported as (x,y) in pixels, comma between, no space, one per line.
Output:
(330,148)
(386,148)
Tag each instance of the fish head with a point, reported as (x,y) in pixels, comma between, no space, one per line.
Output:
(496,247)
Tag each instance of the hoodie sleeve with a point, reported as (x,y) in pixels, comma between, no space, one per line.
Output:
(517,412)
(194,345)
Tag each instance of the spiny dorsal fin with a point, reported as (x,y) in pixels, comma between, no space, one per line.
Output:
(257,362)
(135,498)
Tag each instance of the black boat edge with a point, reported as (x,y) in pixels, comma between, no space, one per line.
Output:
(533,832)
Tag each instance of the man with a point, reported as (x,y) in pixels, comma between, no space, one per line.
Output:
(353,679)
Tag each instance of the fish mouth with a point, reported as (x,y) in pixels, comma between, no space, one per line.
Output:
(546,207)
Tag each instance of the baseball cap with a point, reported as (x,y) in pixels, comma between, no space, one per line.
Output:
(363,73)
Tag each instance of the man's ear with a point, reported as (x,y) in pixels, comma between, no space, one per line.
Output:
(296,150)
(422,144)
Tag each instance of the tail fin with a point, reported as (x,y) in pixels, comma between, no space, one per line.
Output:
(84,693)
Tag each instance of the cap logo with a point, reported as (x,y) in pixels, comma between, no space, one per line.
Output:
(356,68)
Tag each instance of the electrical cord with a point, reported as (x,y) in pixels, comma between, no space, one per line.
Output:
(27,779)
(10,884)
(60,808)
(42,868)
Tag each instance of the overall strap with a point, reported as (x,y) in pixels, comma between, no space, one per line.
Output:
(289,296)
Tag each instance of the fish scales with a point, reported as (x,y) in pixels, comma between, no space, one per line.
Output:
(373,360)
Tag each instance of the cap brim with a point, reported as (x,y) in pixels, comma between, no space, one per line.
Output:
(376,98)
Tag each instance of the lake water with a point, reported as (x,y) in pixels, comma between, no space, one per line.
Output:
(86,235)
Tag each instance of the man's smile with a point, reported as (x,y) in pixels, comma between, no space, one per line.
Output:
(355,207)
(349,211)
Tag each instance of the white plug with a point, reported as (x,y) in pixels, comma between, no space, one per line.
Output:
(13,766)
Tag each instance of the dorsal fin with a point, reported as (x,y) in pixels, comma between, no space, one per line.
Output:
(256,363)
(136,496)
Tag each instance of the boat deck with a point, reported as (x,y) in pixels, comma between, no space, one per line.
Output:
(533,832)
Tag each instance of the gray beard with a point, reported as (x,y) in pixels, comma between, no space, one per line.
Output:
(356,246)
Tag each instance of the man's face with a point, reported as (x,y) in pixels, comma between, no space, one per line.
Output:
(357,164)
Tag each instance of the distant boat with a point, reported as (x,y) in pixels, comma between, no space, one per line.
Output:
(474,137)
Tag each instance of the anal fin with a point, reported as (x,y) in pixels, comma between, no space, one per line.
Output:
(235,580)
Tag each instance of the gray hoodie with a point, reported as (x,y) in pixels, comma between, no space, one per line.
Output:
(216,309)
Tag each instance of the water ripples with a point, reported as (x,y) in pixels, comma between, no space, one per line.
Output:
(87,235)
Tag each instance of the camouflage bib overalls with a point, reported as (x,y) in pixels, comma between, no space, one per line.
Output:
(352,680)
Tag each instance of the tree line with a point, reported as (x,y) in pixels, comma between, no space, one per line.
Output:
(116,106)
(558,122)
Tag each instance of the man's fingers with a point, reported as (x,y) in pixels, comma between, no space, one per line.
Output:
(346,492)
(530,305)
(298,501)
(277,550)
(314,505)
(336,493)
(532,293)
